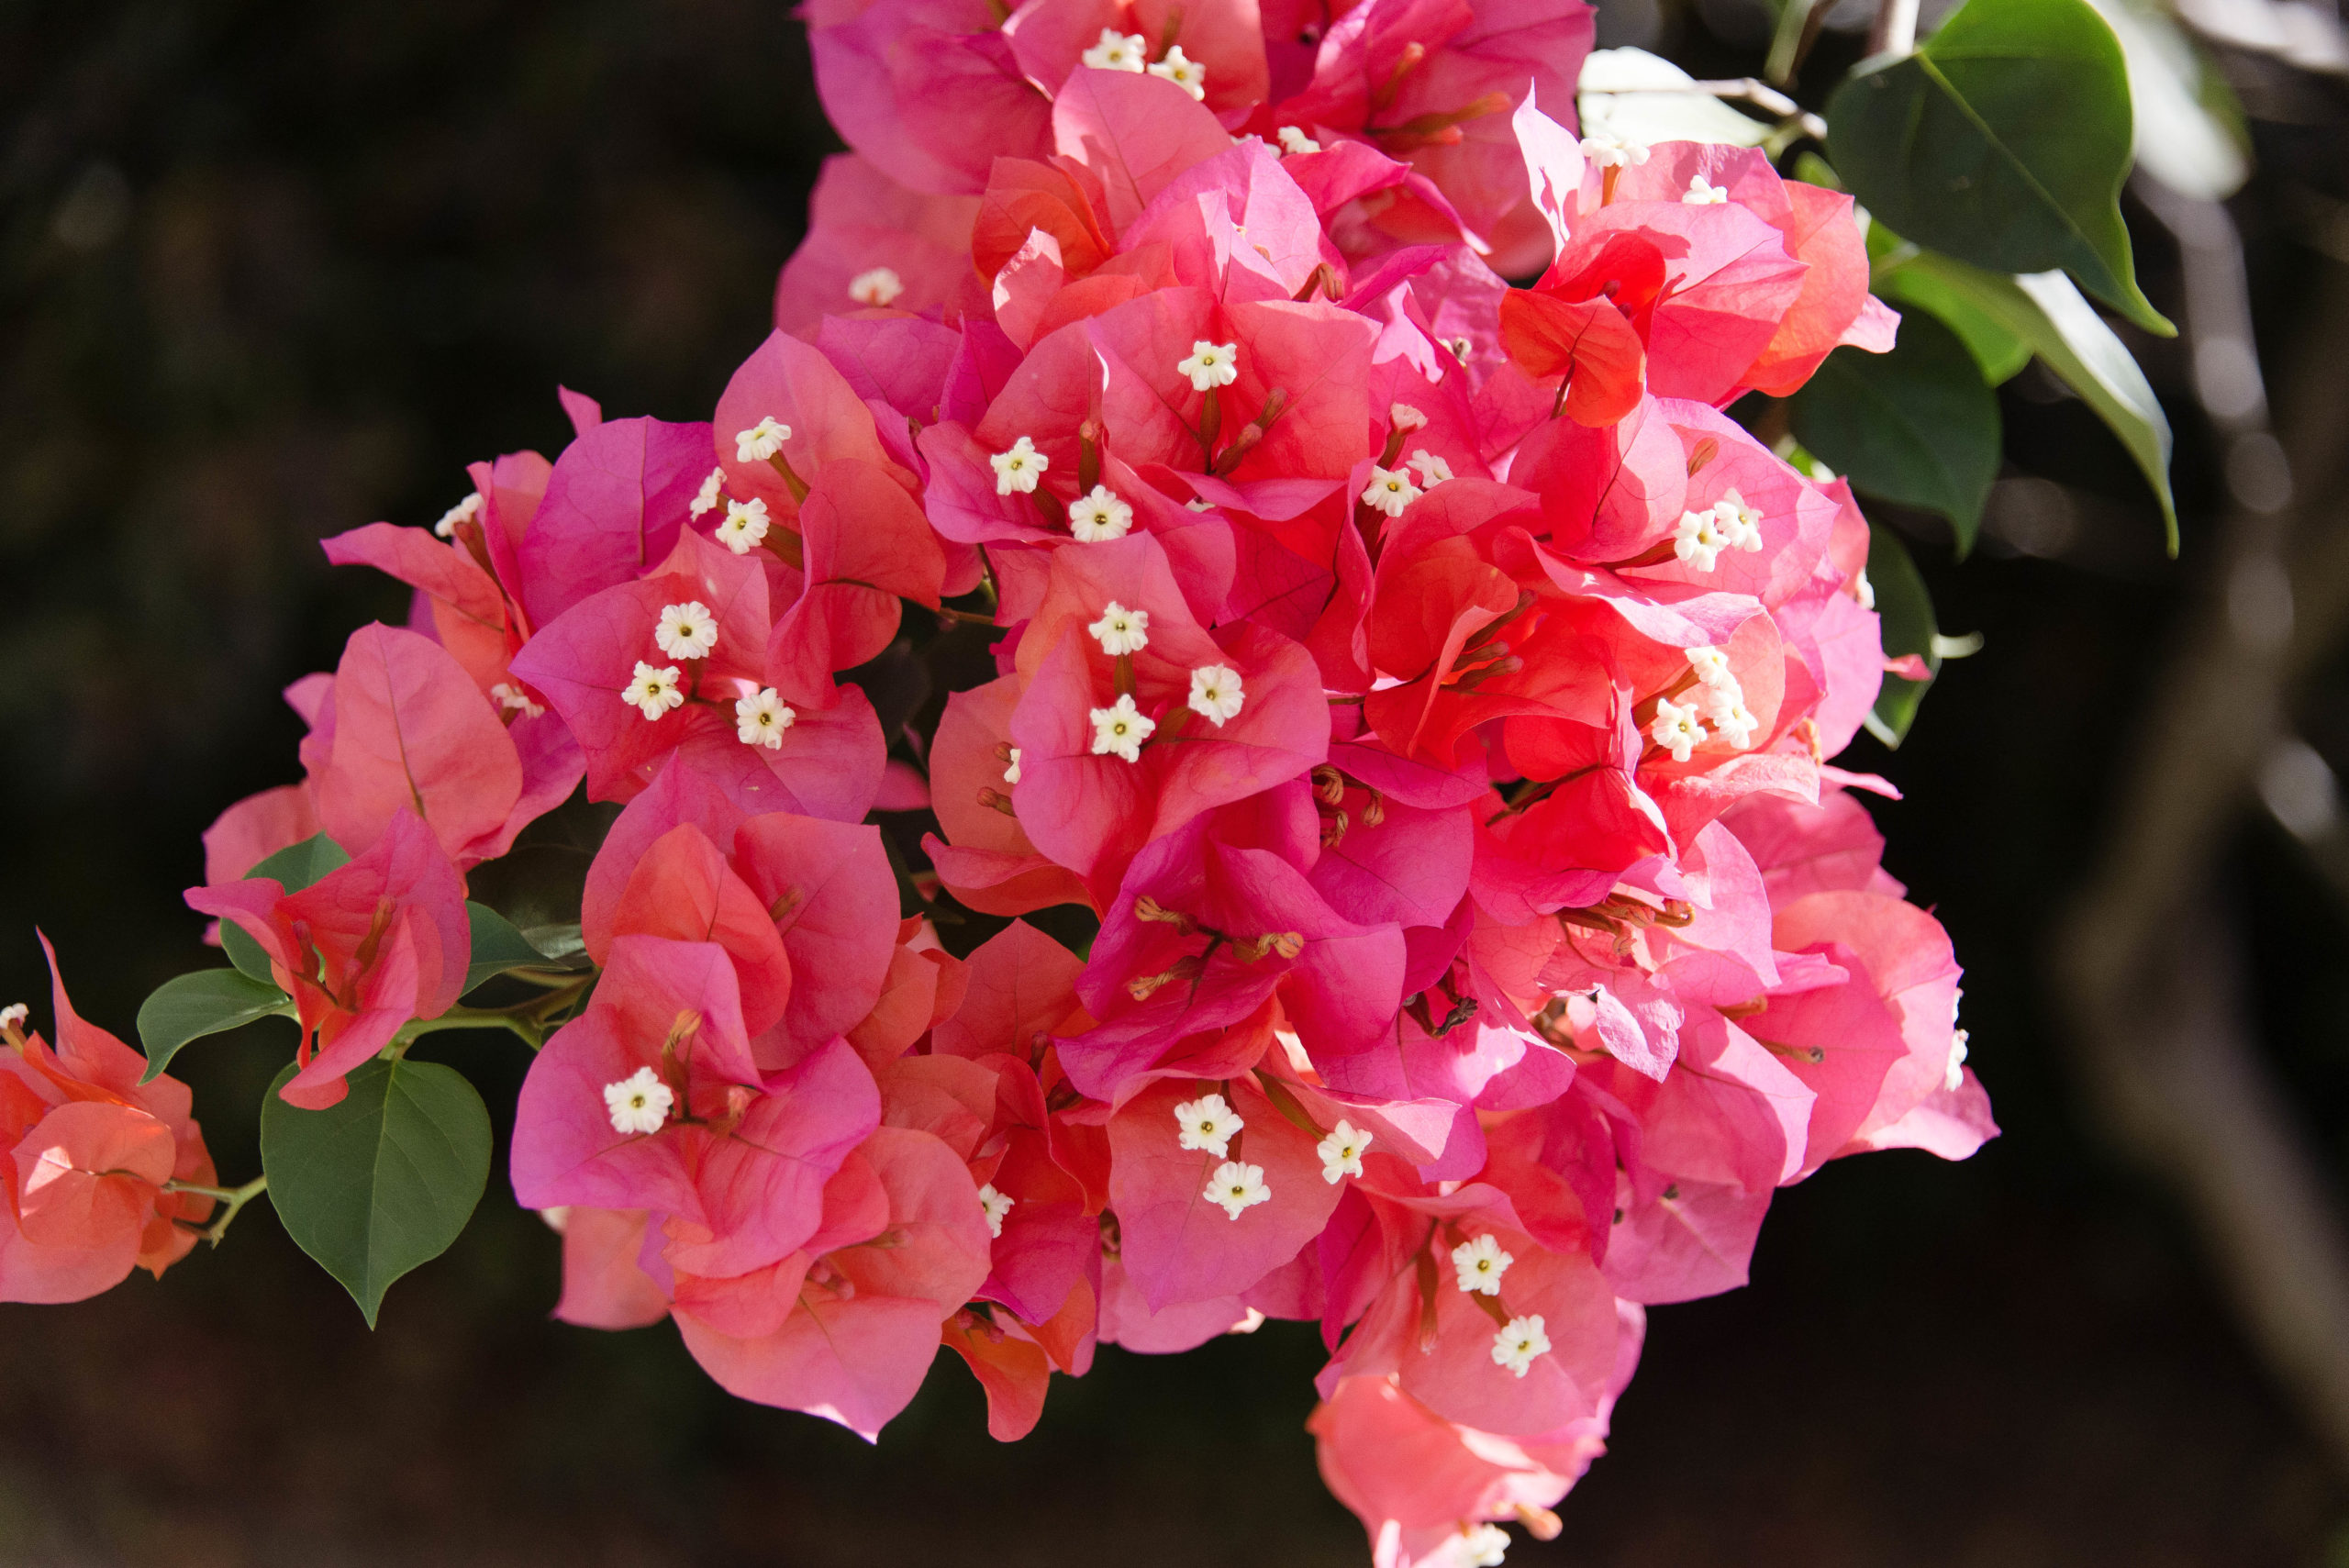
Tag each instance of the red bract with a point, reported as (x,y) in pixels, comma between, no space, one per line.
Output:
(88,1151)
(362,950)
(1427,685)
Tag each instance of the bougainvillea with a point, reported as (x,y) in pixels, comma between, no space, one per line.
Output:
(1417,687)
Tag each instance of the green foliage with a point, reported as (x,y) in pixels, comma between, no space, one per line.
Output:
(1908,628)
(293,869)
(383,1182)
(1917,425)
(211,1001)
(298,866)
(2003,142)
(498,946)
(2046,315)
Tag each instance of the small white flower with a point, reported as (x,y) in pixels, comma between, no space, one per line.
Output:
(1864,590)
(686,630)
(1519,1341)
(1208,1123)
(1952,1077)
(1011,769)
(1100,517)
(1724,709)
(1390,490)
(745,525)
(1609,151)
(1119,731)
(712,490)
(1236,1187)
(1434,469)
(1702,192)
(1698,540)
(514,699)
(1711,665)
(1117,51)
(653,690)
(762,441)
(1484,1546)
(1212,364)
(994,1205)
(761,718)
(1121,630)
(13,1016)
(1405,418)
(640,1101)
(1020,468)
(1184,71)
(881,285)
(1740,525)
(1342,1153)
(1480,1264)
(1676,729)
(1295,140)
(464,511)
(1216,693)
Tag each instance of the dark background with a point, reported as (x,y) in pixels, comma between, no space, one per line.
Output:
(270,271)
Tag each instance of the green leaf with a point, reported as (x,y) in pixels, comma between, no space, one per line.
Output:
(210,1001)
(2000,352)
(2047,313)
(1906,610)
(497,946)
(297,867)
(561,941)
(385,1180)
(2003,142)
(1915,426)
(246,954)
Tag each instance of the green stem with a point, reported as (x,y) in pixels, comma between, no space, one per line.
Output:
(233,1199)
(527,1021)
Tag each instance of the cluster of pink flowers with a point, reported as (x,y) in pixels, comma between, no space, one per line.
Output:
(1426,684)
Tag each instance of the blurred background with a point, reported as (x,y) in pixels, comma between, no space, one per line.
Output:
(270,271)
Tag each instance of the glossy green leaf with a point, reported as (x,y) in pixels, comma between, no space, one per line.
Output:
(383,1182)
(497,946)
(561,941)
(2048,314)
(1917,425)
(210,1001)
(1906,610)
(2003,142)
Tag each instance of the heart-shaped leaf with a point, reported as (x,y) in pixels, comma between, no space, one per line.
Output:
(383,1181)
(1917,425)
(210,1001)
(2003,142)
